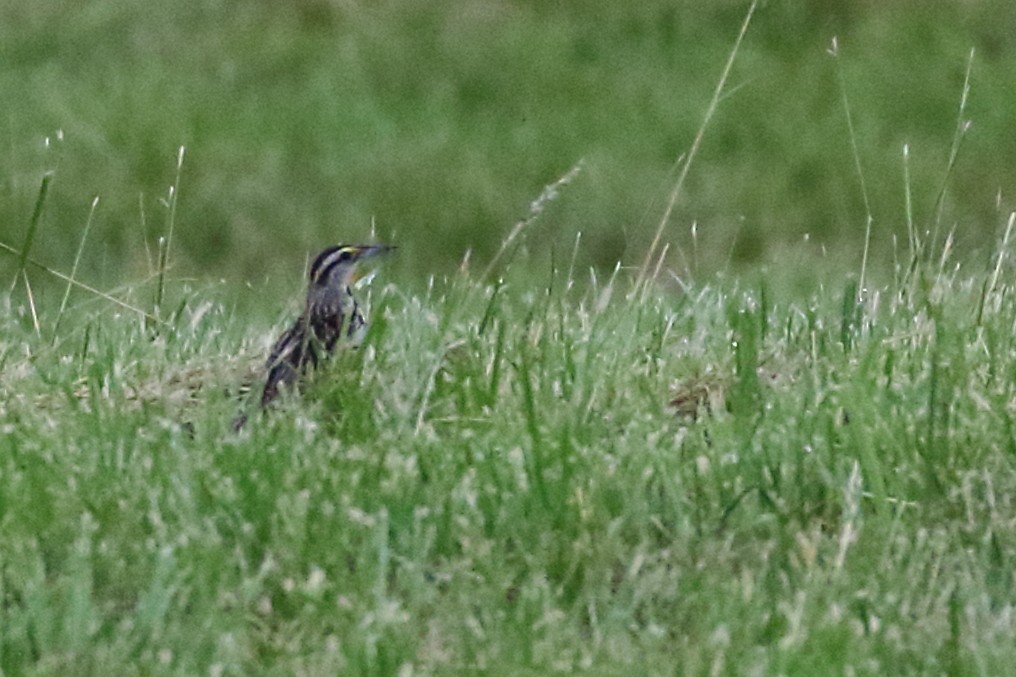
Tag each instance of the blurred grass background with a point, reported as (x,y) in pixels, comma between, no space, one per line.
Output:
(503,481)
(308,121)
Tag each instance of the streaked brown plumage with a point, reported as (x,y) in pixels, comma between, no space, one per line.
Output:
(331,318)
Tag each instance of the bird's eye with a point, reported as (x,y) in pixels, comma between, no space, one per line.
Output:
(345,255)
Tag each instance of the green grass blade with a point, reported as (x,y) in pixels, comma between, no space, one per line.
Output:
(535,456)
(166,243)
(868,218)
(74,269)
(962,126)
(26,246)
(675,193)
(81,285)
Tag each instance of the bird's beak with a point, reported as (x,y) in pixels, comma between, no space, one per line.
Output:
(366,252)
(372,250)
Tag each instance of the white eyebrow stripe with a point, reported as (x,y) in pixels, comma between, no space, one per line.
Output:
(324,265)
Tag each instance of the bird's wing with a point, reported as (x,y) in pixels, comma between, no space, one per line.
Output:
(289,355)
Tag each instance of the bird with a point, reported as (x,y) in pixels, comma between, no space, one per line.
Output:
(331,318)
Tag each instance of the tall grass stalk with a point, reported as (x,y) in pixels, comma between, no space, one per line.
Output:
(646,269)
(166,242)
(962,127)
(856,154)
(83,286)
(74,269)
(26,248)
(536,208)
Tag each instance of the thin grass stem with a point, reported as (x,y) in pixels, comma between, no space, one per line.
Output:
(962,125)
(675,193)
(74,268)
(166,245)
(991,286)
(82,285)
(912,236)
(33,225)
(31,304)
(868,218)
(549,194)
(1001,252)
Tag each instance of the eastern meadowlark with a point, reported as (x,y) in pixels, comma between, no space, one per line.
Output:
(331,318)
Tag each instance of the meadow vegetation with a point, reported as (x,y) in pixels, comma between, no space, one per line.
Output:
(758,459)
(435,124)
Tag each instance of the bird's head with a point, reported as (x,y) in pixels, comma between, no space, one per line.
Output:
(335,268)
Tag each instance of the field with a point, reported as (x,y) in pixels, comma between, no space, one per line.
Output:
(785,446)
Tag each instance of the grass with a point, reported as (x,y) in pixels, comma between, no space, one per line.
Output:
(439,122)
(526,469)
(498,481)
